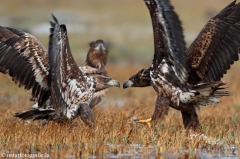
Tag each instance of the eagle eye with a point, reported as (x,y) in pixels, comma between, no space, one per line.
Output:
(95,44)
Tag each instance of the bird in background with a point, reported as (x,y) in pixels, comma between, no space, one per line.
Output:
(94,66)
(186,79)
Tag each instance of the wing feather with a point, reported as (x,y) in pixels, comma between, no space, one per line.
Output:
(3,48)
(220,66)
(30,83)
(216,47)
(216,68)
(168,37)
(22,56)
(210,74)
(229,51)
(225,56)
(71,90)
(25,77)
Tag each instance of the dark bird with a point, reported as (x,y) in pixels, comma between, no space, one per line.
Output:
(186,79)
(56,81)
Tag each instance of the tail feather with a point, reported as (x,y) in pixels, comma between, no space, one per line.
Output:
(213,89)
(37,114)
(205,93)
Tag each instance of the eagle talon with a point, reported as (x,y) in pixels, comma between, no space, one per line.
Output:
(146,121)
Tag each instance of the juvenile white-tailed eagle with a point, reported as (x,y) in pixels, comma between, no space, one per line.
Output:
(97,54)
(185,79)
(57,82)
(94,66)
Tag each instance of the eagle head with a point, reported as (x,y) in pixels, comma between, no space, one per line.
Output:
(97,54)
(103,82)
(141,79)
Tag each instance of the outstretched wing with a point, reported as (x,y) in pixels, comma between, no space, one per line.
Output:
(216,47)
(168,37)
(25,59)
(71,90)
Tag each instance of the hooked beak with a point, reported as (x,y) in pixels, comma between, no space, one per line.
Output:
(100,47)
(114,83)
(127,84)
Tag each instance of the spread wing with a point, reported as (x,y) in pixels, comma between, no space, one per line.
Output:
(25,59)
(168,37)
(71,90)
(216,47)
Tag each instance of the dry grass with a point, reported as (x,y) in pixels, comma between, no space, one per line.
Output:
(115,134)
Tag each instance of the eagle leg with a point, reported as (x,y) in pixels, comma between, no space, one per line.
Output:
(161,110)
(191,121)
(86,114)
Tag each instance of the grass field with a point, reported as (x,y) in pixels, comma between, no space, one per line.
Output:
(115,134)
(128,30)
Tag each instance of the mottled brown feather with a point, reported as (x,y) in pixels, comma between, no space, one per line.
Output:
(21,55)
(71,90)
(161,108)
(219,37)
(94,66)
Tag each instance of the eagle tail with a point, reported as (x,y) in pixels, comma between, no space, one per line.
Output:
(37,114)
(205,93)
(212,89)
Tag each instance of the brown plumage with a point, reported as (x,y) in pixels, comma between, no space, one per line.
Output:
(141,79)
(71,89)
(102,80)
(24,58)
(94,66)
(60,87)
(47,112)
(186,79)
(97,54)
(216,47)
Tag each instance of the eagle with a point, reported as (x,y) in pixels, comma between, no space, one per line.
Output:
(97,72)
(186,79)
(62,89)
(94,66)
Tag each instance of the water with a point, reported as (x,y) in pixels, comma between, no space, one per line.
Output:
(151,153)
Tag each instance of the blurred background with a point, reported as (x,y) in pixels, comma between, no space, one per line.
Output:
(124,24)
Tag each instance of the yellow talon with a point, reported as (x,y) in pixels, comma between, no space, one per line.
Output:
(147,121)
